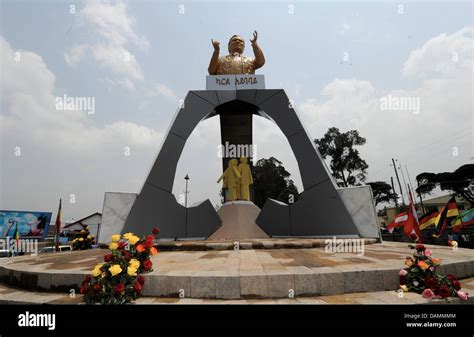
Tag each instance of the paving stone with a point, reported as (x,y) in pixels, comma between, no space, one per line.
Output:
(281,285)
(307,284)
(254,285)
(203,287)
(332,281)
(228,287)
(310,300)
(44,281)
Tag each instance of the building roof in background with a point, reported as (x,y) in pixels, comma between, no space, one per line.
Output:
(80,220)
(443,200)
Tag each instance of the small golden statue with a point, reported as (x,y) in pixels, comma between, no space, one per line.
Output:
(237,180)
(231,177)
(246,179)
(235,63)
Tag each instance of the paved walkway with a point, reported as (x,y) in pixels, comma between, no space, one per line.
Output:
(242,274)
(9,295)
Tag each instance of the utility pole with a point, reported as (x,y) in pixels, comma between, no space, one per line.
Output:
(393,189)
(398,179)
(404,182)
(411,185)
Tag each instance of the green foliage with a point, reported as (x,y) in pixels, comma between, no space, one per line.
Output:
(457,181)
(346,165)
(382,192)
(271,180)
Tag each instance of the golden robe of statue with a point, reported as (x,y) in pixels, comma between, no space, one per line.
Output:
(246,179)
(235,62)
(231,177)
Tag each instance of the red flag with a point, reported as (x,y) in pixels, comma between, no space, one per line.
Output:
(413,225)
(400,220)
(58,226)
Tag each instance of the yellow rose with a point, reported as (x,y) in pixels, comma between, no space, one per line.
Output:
(89,237)
(134,239)
(115,237)
(134,263)
(132,271)
(113,245)
(128,235)
(115,269)
(404,288)
(81,239)
(96,272)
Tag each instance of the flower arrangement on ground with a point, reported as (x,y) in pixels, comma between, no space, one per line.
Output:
(84,240)
(118,279)
(421,275)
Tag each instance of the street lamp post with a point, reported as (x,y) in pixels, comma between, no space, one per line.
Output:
(186,202)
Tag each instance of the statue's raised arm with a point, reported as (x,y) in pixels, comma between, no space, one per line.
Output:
(235,62)
(259,58)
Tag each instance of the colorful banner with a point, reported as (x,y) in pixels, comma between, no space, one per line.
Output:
(30,224)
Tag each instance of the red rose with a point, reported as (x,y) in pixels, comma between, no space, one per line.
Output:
(431,283)
(86,280)
(97,287)
(126,255)
(84,289)
(137,287)
(108,257)
(414,236)
(456,285)
(147,264)
(150,238)
(155,231)
(420,247)
(444,292)
(403,280)
(141,279)
(149,244)
(451,278)
(122,245)
(119,288)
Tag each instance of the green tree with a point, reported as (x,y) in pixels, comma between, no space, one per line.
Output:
(458,182)
(271,180)
(346,165)
(382,192)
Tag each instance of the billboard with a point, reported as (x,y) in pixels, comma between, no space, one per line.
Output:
(31,224)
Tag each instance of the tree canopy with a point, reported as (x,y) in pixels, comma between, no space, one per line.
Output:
(382,192)
(271,180)
(346,165)
(458,182)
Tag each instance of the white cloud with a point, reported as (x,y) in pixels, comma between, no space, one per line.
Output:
(445,114)
(442,56)
(63,152)
(114,27)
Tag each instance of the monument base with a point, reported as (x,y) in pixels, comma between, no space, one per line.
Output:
(238,222)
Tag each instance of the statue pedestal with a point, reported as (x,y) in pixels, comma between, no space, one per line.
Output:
(238,222)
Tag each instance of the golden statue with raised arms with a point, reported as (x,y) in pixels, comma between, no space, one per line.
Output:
(235,62)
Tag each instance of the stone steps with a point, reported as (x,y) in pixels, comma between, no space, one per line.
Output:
(243,274)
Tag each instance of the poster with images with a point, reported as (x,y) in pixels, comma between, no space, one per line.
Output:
(30,224)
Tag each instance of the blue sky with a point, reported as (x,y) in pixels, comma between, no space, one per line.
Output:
(406,53)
